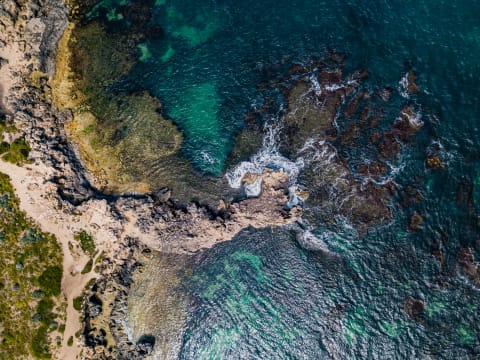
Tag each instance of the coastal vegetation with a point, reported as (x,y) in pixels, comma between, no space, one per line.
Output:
(31,306)
(15,151)
(86,242)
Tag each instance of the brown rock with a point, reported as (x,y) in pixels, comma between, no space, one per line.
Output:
(439,256)
(297,69)
(389,146)
(434,162)
(330,77)
(351,134)
(385,94)
(374,170)
(415,221)
(302,194)
(375,137)
(250,178)
(412,87)
(408,124)
(467,263)
(410,195)
(414,309)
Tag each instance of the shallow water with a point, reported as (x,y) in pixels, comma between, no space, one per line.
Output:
(262,295)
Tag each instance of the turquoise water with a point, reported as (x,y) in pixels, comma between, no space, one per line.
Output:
(216,50)
(262,295)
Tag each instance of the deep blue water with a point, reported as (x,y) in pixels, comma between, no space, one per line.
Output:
(262,295)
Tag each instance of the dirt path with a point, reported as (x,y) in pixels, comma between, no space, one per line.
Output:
(37,199)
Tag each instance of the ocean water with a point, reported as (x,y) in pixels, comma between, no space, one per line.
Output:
(264,296)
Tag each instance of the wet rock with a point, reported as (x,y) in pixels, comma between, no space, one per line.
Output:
(155,32)
(410,195)
(414,309)
(162,195)
(409,122)
(375,138)
(94,306)
(351,134)
(301,194)
(416,220)
(250,178)
(374,170)
(466,260)
(464,196)
(297,69)
(437,253)
(412,87)
(385,94)
(434,163)
(352,106)
(389,147)
(365,114)
(145,345)
(331,77)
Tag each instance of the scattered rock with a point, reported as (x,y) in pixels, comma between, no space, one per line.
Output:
(374,170)
(3,62)
(389,147)
(385,94)
(416,220)
(412,87)
(434,162)
(410,195)
(467,263)
(414,309)
(301,194)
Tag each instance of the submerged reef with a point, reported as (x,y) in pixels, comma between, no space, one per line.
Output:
(122,135)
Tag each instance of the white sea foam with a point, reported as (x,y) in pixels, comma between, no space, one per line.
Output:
(314,150)
(267,157)
(415,120)
(403,86)
(206,157)
(334,87)
(315,85)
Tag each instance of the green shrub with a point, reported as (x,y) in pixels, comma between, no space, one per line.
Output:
(87,244)
(44,309)
(70,341)
(18,152)
(4,147)
(39,344)
(77,303)
(51,280)
(88,267)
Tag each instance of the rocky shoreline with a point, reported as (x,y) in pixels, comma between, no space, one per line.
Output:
(56,182)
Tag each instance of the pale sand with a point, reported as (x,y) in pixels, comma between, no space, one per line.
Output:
(37,199)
